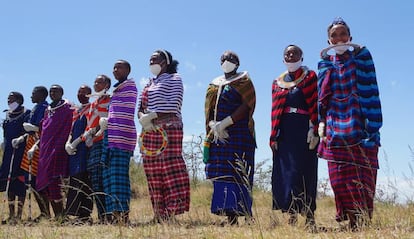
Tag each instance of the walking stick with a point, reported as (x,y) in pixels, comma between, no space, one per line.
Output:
(30,189)
(6,193)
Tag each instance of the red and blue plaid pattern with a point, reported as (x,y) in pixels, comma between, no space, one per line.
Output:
(167,176)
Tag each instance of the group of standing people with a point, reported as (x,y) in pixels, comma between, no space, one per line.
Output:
(335,114)
(91,145)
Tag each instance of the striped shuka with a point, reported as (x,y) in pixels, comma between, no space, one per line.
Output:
(167,176)
(164,94)
(309,90)
(97,109)
(36,115)
(121,125)
(352,166)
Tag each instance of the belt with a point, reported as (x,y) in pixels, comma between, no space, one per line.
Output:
(163,116)
(289,110)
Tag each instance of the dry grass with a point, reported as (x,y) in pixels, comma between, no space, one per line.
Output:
(390,221)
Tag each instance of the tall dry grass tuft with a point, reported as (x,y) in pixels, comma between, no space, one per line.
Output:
(390,220)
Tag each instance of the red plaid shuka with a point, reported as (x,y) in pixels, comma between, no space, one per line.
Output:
(353,184)
(167,176)
(309,88)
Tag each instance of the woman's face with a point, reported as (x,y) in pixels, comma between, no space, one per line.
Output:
(339,34)
(100,84)
(292,54)
(120,71)
(159,58)
(228,56)
(12,98)
(55,93)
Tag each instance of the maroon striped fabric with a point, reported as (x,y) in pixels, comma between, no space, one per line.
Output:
(353,185)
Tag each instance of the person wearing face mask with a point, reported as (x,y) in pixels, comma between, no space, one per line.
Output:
(119,143)
(294,137)
(229,107)
(159,114)
(11,175)
(53,159)
(94,139)
(79,203)
(350,118)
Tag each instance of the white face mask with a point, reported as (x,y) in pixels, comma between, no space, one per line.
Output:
(228,66)
(100,93)
(13,106)
(293,66)
(341,49)
(155,69)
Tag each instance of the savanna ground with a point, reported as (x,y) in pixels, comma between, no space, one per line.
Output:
(390,219)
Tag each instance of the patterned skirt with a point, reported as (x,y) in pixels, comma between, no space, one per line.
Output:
(167,176)
(354,184)
(95,169)
(116,181)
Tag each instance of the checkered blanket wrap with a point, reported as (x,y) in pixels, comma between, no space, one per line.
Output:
(31,139)
(116,182)
(167,175)
(95,170)
(53,190)
(353,186)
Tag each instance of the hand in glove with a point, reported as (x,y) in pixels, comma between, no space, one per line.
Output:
(146,121)
(88,135)
(219,129)
(31,151)
(321,130)
(16,141)
(312,139)
(28,127)
(103,124)
(70,149)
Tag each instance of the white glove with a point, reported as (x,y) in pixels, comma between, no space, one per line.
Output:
(219,129)
(31,151)
(103,125)
(89,136)
(30,127)
(16,141)
(90,133)
(70,149)
(321,129)
(146,121)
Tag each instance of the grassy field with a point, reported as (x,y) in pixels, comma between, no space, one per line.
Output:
(390,221)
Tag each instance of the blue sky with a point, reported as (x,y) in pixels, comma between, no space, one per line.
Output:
(70,42)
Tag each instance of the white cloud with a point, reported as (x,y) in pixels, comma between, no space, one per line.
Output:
(190,66)
(143,82)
